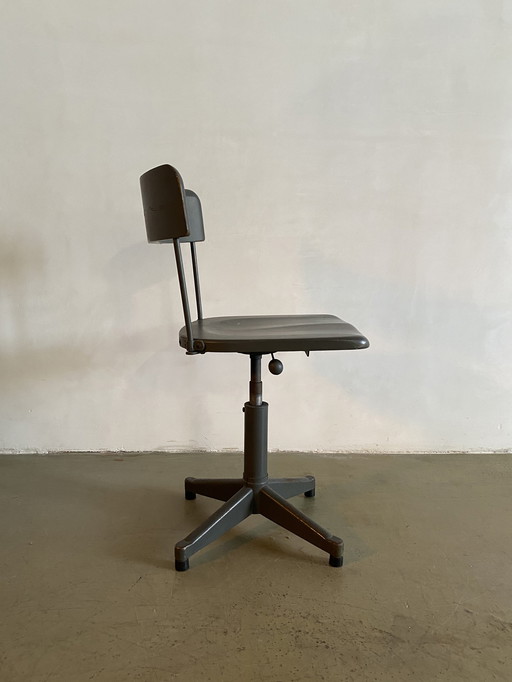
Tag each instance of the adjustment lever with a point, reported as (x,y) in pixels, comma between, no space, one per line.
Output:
(275,366)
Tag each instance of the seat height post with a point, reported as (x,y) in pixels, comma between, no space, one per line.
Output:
(255,385)
(256,429)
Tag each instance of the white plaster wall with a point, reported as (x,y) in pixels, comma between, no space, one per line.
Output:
(352,157)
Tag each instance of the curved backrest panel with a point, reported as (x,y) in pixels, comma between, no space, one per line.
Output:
(163,199)
(194,218)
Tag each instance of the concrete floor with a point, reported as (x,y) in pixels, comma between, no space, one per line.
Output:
(89,592)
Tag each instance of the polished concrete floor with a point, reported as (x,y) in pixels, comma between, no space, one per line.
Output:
(88,590)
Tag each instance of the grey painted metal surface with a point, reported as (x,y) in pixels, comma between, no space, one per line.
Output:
(255,493)
(174,214)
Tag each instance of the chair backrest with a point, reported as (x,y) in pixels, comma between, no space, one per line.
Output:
(173,215)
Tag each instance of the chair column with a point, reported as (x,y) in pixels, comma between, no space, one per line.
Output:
(256,429)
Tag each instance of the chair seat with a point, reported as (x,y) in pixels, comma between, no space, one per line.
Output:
(272,333)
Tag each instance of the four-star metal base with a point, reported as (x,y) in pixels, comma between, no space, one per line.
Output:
(255,492)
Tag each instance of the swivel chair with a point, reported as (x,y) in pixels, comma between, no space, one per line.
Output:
(173,215)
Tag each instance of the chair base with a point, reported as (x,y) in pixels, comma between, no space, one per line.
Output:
(255,493)
(241,499)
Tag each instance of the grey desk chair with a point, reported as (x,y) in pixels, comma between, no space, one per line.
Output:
(173,215)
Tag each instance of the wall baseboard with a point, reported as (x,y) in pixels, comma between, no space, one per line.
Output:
(231,451)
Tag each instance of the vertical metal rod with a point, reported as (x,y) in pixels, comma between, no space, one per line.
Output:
(197,288)
(256,429)
(184,297)
(255,385)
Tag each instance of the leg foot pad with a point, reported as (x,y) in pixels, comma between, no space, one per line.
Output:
(189,495)
(309,493)
(182,565)
(336,561)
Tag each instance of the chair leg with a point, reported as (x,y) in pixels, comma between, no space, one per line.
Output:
(229,515)
(288,487)
(278,510)
(218,488)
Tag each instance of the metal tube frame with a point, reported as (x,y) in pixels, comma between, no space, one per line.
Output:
(184,296)
(197,288)
(183,290)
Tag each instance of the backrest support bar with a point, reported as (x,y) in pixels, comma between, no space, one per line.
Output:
(196,229)
(197,288)
(184,296)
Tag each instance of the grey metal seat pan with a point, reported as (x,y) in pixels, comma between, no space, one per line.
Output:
(272,333)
